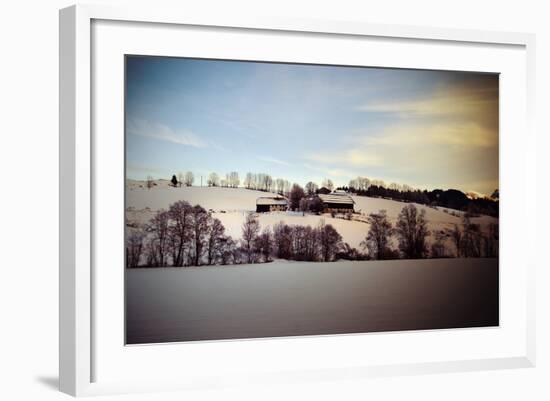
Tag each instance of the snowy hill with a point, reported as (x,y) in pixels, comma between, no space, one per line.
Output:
(231,205)
(215,198)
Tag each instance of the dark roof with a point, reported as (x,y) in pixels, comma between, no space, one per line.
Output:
(343,199)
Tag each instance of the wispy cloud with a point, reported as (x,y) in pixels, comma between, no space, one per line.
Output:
(420,154)
(140,170)
(354,157)
(466,134)
(474,100)
(147,129)
(330,172)
(274,161)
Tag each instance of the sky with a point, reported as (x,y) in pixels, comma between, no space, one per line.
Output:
(426,129)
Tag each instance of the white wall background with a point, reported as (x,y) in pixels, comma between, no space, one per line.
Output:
(29,200)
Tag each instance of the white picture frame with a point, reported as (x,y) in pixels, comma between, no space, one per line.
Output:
(78,350)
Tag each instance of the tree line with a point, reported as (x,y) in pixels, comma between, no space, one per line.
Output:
(256,181)
(183,235)
(186,235)
(411,232)
(361,186)
(450,198)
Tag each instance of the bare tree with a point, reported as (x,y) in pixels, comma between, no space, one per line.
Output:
(264,244)
(134,248)
(233,179)
(378,238)
(199,229)
(471,238)
(286,190)
(364,183)
(412,230)
(282,237)
(360,183)
(438,249)
(492,240)
(227,250)
(266,183)
(311,188)
(180,230)
(260,179)
(327,183)
(151,254)
(395,186)
(181,178)
(378,183)
(189,179)
(215,240)
(306,243)
(330,241)
(300,242)
(456,236)
(248,181)
(251,228)
(280,186)
(213,180)
(183,235)
(158,227)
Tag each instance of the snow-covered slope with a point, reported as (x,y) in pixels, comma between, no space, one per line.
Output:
(215,198)
(231,206)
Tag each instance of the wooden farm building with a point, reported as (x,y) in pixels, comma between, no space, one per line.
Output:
(271,204)
(337,203)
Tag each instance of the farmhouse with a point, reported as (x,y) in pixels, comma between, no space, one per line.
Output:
(337,203)
(271,204)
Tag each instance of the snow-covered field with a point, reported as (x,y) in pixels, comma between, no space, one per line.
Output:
(231,205)
(286,298)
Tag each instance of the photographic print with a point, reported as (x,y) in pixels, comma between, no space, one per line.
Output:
(277,199)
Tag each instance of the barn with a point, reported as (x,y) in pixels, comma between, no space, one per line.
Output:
(271,204)
(337,203)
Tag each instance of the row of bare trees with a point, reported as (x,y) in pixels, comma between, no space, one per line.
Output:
(468,239)
(256,181)
(265,182)
(411,232)
(364,183)
(291,242)
(231,180)
(187,179)
(183,235)
(186,235)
